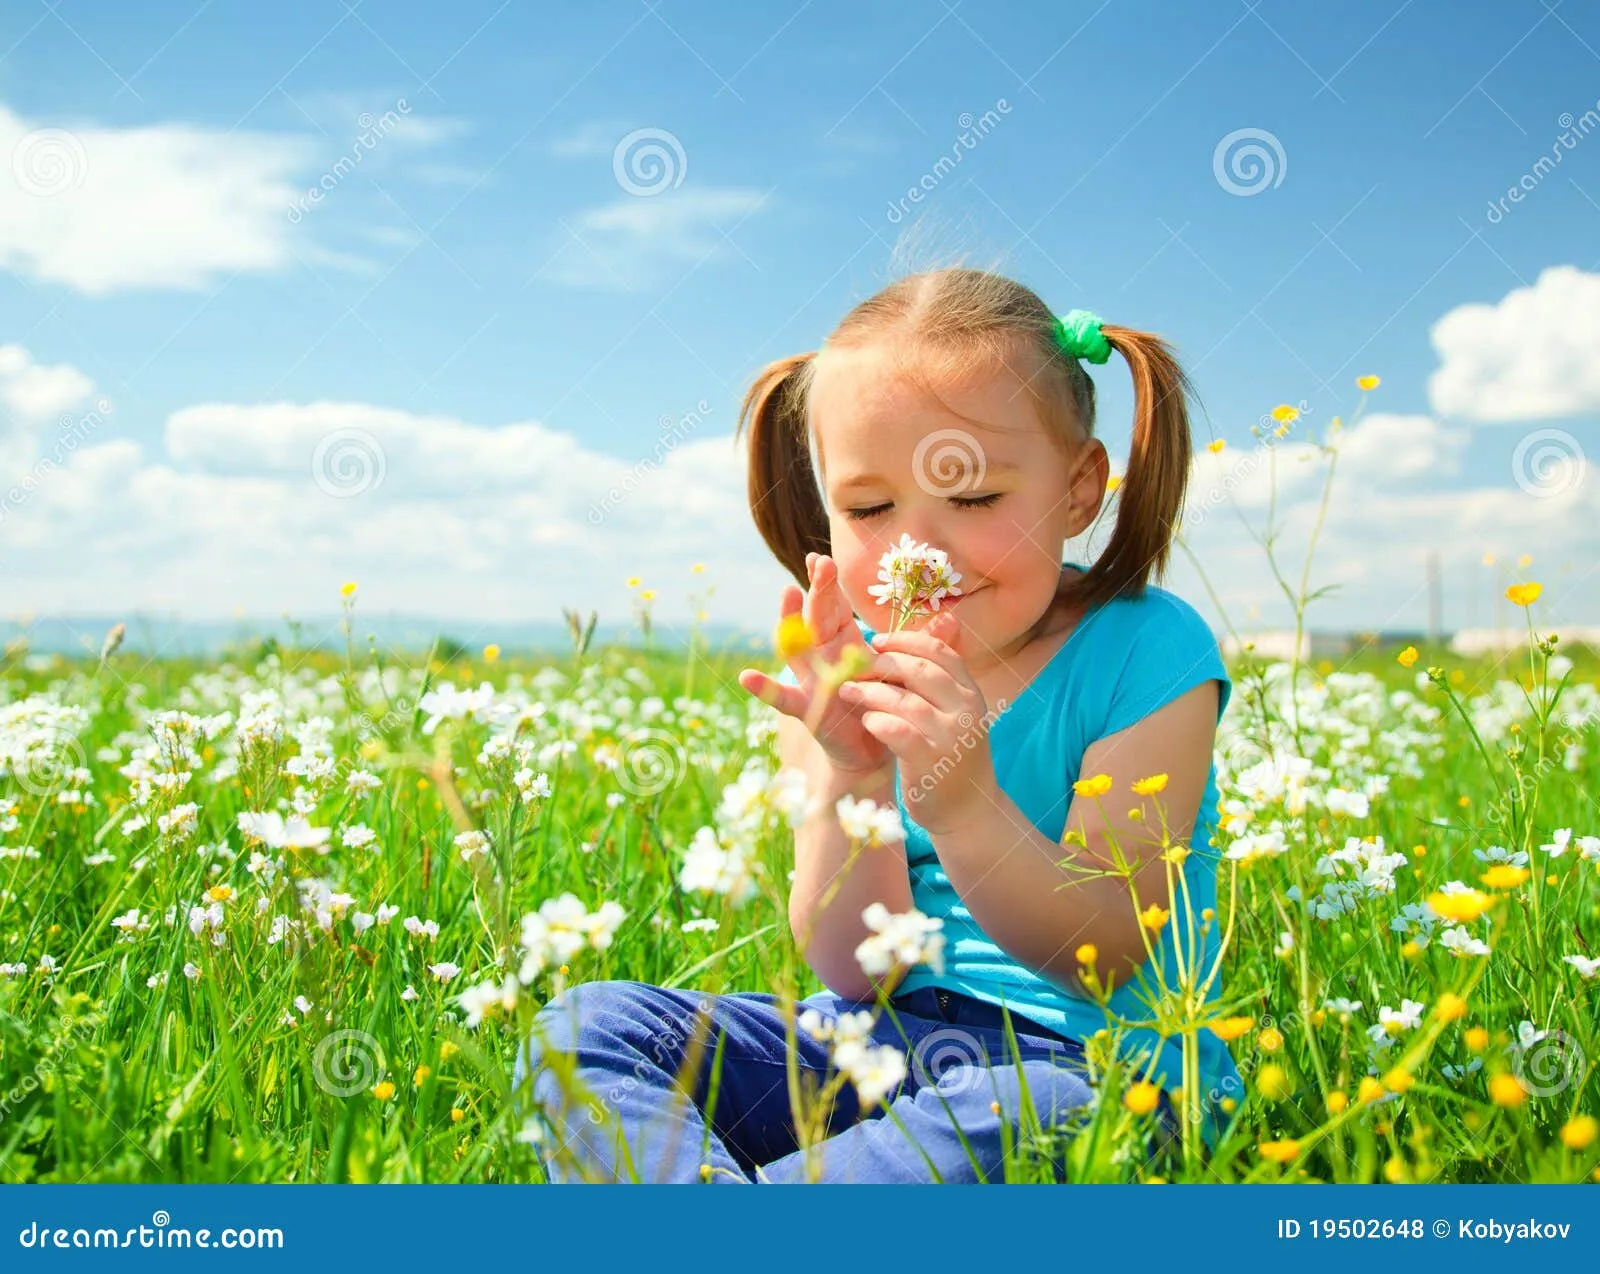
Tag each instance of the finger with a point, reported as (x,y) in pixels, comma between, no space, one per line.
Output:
(880,696)
(912,641)
(825,588)
(918,673)
(895,733)
(789,700)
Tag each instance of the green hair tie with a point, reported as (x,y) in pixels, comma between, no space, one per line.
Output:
(1078,333)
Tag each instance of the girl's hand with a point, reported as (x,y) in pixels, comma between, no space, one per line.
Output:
(931,715)
(836,725)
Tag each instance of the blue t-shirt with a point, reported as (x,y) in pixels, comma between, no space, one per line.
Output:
(1124,659)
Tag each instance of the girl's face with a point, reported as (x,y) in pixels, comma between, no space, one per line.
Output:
(989,486)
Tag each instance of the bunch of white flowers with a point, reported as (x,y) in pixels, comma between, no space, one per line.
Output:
(914,578)
(900,940)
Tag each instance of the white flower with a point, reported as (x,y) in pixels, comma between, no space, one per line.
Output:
(484,996)
(1461,943)
(706,924)
(900,940)
(875,1070)
(531,786)
(361,781)
(561,928)
(410,993)
(357,836)
(1527,1036)
(1500,854)
(1392,1022)
(130,924)
(281,833)
(1560,842)
(1589,847)
(1350,804)
(1253,845)
(361,921)
(472,845)
(1338,1004)
(15,970)
(447,703)
(1586,966)
(417,928)
(444,970)
(714,864)
(867,822)
(914,577)
(156,979)
(304,1005)
(386,913)
(191,970)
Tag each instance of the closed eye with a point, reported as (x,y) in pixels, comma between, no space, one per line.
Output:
(960,501)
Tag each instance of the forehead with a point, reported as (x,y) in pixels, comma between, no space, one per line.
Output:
(871,409)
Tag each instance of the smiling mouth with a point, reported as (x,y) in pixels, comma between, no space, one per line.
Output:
(954,601)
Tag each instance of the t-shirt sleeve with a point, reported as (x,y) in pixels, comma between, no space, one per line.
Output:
(1172,652)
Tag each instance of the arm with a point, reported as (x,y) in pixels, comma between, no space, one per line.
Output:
(1006,871)
(829,928)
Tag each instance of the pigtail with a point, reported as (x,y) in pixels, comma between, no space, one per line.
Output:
(1152,491)
(785,499)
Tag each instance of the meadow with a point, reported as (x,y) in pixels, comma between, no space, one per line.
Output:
(284,915)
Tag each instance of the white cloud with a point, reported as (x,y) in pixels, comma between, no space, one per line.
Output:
(1535,355)
(638,240)
(31,393)
(170,205)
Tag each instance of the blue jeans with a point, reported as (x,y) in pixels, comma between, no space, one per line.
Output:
(626,1118)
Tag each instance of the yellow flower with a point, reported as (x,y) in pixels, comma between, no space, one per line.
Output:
(1394,1170)
(1279,1151)
(1579,1132)
(1407,657)
(1229,1105)
(220,893)
(447,1050)
(1270,1039)
(1216,446)
(1368,383)
(634,581)
(1461,908)
(1506,1090)
(1475,1038)
(420,1074)
(383,1090)
(1099,785)
(1410,951)
(1231,1028)
(699,568)
(1369,1089)
(1450,1007)
(1088,953)
(1141,1098)
(1337,1101)
(1524,594)
(1419,851)
(1504,876)
(1272,1082)
(1150,786)
(1398,1080)
(1113,482)
(347,591)
(1525,561)
(1285,414)
(457,1114)
(491,652)
(1154,918)
(648,595)
(794,636)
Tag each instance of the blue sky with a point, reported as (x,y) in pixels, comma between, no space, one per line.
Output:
(508,312)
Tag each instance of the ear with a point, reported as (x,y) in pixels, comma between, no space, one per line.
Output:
(1091,470)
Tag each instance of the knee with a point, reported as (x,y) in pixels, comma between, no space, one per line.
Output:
(1055,1093)
(579,1017)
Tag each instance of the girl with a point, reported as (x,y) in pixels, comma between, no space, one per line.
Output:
(954,408)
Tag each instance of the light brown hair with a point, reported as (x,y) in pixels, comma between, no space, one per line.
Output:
(959,322)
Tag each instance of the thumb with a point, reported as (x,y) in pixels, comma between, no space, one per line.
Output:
(944,625)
